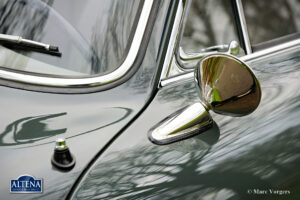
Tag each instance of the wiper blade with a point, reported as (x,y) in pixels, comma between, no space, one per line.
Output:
(13,41)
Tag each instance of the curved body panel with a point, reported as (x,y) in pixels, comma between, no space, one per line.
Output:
(256,156)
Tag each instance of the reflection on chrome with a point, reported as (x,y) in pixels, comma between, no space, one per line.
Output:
(232,48)
(182,124)
(226,85)
(187,61)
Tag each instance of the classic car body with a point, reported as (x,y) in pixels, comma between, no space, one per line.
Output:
(106,125)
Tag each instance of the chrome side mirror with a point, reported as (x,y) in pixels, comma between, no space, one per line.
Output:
(226,85)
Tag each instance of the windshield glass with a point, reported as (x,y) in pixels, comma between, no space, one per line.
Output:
(93,36)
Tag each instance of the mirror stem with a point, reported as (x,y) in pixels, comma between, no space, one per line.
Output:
(182,124)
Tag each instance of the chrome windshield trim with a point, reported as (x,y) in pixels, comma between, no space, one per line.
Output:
(65,82)
(242,20)
(254,57)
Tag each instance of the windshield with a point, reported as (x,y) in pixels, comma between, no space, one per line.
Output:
(93,36)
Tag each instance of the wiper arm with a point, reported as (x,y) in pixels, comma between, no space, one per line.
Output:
(12,41)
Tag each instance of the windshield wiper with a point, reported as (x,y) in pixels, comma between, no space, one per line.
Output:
(17,42)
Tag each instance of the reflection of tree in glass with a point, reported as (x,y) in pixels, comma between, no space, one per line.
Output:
(209,23)
(116,30)
(269,20)
(33,15)
(157,172)
(32,19)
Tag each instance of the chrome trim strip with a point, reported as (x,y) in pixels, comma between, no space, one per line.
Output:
(183,60)
(174,79)
(178,57)
(243,24)
(265,53)
(90,81)
(287,46)
(173,39)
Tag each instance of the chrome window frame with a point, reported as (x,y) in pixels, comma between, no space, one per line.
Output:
(173,71)
(59,84)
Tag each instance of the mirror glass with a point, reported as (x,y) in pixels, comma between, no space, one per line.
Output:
(227,85)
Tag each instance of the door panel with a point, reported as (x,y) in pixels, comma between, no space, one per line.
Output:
(234,160)
(31,121)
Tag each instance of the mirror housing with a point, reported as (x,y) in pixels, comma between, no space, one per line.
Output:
(226,85)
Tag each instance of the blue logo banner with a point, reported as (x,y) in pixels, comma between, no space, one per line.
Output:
(26,184)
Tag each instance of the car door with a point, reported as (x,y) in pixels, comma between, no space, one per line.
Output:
(250,157)
(89,103)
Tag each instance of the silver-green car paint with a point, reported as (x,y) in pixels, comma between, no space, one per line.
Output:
(32,121)
(239,157)
(234,158)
